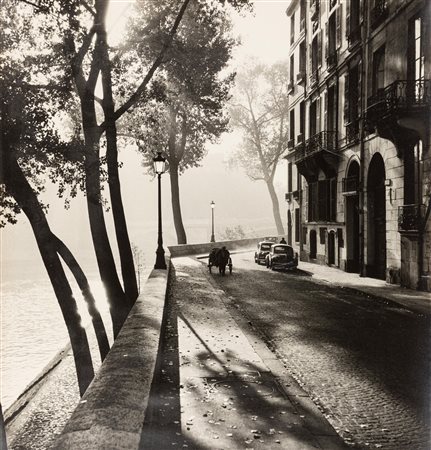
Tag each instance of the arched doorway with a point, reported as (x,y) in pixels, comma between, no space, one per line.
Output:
(331,247)
(376,201)
(352,218)
(289,227)
(313,244)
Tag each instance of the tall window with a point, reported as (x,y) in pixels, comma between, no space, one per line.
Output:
(302,57)
(297,224)
(331,113)
(292,125)
(314,54)
(292,69)
(292,28)
(289,177)
(322,200)
(379,69)
(302,119)
(416,50)
(354,14)
(332,38)
(313,118)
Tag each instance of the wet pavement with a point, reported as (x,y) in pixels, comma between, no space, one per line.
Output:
(219,388)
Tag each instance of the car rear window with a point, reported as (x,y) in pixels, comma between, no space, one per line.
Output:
(283,250)
(265,246)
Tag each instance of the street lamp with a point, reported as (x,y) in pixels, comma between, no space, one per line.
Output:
(159,163)
(212,221)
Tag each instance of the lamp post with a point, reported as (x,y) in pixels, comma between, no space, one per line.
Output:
(212,221)
(159,163)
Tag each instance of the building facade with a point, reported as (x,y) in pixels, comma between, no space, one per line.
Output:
(358,159)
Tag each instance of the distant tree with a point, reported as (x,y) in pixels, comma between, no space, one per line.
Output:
(259,110)
(233,233)
(189,111)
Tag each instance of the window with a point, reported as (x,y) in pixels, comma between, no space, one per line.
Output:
(292,125)
(289,177)
(298,181)
(351,100)
(416,50)
(302,119)
(313,118)
(331,113)
(322,200)
(314,55)
(296,224)
(354,14)
(332,39)
(292,69)
(292,28)
(379,69)
(302,57)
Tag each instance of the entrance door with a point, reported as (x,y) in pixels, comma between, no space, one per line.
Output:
(313,244)
(376,218)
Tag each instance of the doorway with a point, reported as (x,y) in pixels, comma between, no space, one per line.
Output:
(352,219)
(376,199)
(313,244)
(331,248)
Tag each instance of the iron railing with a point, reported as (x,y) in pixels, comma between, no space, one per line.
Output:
(400,94)
(322,141)
(350,184)
(410,217)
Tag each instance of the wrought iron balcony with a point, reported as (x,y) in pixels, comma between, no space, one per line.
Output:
(350,185)
(399,99)
(325,141)
(379,13)
(410,218)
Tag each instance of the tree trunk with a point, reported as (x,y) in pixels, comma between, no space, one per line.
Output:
(122,235)
(17,186)
(81,279)
(176,205)
(119,303)
(275,207)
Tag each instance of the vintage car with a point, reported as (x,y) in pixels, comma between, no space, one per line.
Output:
(281,256)
(263,249)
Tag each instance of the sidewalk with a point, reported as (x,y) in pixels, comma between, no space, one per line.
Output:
(219,386)
(416,301)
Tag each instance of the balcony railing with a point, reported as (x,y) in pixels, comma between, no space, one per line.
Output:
(410,217)
(350,185)
(379,13)
(352,131)
(400,95)
(323,141)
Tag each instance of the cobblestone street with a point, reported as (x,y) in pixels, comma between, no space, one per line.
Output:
(363,360)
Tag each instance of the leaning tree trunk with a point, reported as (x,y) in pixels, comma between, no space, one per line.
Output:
(275,207)
(81,279)
(122,235)
(176,205)
(18,186)
(120,304)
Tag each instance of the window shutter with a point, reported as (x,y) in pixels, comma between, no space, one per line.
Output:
(348,17)
(319,48)
(346,99)
(326,39)
(325,107)
(338,25)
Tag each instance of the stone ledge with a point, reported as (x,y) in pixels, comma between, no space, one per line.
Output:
(113,408)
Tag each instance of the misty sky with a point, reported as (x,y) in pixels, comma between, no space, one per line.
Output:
(238,200)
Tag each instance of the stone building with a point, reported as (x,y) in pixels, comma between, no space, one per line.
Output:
(359,162)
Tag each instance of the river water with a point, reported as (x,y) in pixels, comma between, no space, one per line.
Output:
(32,327)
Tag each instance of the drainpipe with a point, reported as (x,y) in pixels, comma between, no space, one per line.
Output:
(364,55)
